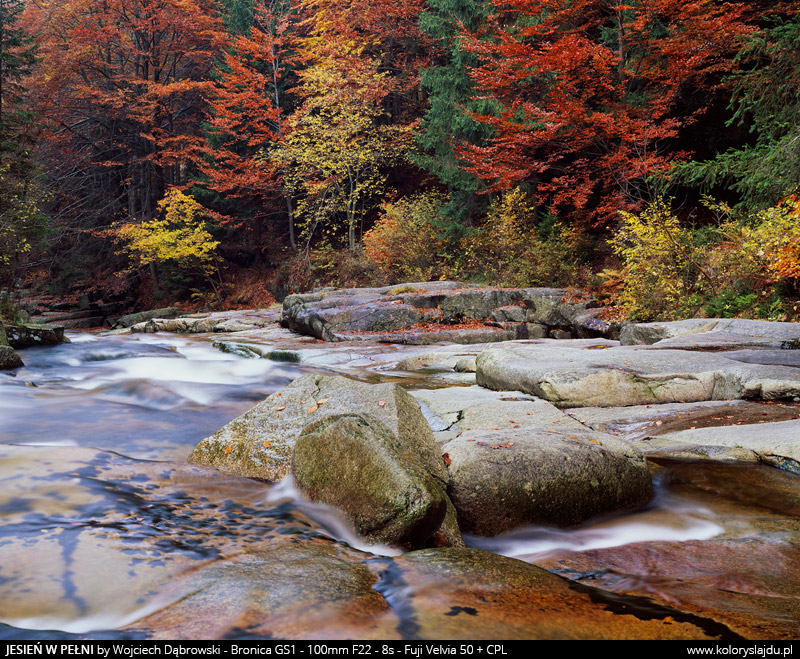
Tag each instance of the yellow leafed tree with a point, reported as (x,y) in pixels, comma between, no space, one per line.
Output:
(338,150)
(178,234)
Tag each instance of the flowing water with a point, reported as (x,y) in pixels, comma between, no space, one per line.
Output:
(104,524)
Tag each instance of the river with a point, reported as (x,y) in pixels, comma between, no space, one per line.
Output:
(103,523)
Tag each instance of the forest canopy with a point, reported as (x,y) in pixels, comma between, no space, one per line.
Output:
(511,142)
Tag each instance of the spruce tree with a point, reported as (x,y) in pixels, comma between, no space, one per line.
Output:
(17,57)
(449,91)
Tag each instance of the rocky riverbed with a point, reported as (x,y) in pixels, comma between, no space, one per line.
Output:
(647,469)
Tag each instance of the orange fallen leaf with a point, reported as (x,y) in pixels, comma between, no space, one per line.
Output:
(516,426)
(267,444)
(511,421)
(278,394)
(322,400)
(228,449)
(446,458)
(281,408)
(313,409)
(594,441)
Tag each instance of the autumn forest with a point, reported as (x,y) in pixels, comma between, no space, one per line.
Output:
(223,153)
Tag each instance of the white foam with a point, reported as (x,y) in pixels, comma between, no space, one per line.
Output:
(671,520)
(331,520)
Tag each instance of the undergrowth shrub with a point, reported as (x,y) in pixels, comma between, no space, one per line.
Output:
(406,243)
(513,249)
(741,265)
(661,276)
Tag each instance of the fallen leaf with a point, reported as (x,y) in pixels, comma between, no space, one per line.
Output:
(281,408)
(267,444)
(516,426)
(381,403)
(511,421)
(278,394)
(313,409)
(323,400)
(659,423)
(228,449)
(446,458)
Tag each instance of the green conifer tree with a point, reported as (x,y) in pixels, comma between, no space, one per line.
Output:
(450,90)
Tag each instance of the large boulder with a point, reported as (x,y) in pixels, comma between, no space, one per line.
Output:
(503,479)
(574,377)
(517,460)
(393,491)
(388,427)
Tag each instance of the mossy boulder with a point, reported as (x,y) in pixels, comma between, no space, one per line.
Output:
(385,486)
(261,443)
(8,358)
(30,335)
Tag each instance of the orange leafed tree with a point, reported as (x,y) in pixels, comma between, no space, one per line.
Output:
(247,114)
(591,94)
(121,84)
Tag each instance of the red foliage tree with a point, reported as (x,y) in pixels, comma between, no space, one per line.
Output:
(247,109)
(121,86)
(589,94)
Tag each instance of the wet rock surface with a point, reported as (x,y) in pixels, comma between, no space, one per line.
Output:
(744,578)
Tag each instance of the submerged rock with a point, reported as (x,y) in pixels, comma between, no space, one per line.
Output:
(309,591)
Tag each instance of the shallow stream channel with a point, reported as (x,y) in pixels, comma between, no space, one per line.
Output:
(107,532)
